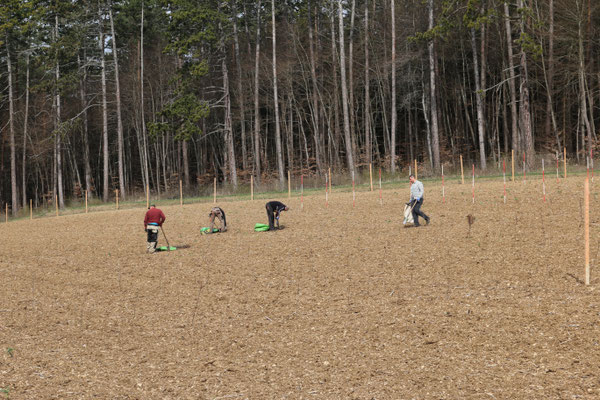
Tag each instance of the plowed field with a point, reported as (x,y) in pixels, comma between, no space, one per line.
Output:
(344,303)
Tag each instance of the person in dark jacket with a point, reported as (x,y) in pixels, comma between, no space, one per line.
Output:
(152,222)
(217,213)
(274,209)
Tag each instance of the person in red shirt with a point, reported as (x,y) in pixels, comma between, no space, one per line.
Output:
(152,221)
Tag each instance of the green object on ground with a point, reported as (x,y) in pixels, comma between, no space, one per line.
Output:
(206,229)
(166,248)
(261,227)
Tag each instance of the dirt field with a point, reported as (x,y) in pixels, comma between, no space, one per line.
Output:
(344,303)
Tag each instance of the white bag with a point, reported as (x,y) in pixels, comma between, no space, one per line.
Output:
(408,217)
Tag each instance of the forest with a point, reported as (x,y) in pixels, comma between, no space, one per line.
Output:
(119,95)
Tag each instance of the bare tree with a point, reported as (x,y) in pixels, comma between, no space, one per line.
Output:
(118,103)
(256,100)
(278,149)
(104,108)
(349,155)
(394,111)
(511,80)
(435,136)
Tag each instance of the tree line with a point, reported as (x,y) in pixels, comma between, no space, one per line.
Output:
(106,95)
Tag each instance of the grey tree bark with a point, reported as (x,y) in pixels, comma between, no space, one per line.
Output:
(435,135)
(118,104)
(480,116)
(11,123)
(256,100)
(393,94)
(278,148)
(511,81)
(349,155)
(106,172)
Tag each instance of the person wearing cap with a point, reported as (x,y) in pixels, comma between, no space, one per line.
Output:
(152,222)
(217,213)
(274,209)
(416,198)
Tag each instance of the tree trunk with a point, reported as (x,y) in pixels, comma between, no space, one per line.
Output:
(525,116)
(240,88)
(256,100)
(511,80)
(393,94)
(435,136)
(144,150)
(25,133)
(11,122)
(317,133)
(228,123)
(59,177)
(349,155)
(480,116)
(367,117)
(104,111)
(276,102)
(118,104)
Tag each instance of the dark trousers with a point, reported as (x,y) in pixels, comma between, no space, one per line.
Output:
(416,212)
(271,215)
(152,235)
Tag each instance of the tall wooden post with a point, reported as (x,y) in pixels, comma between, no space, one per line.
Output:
(289,186)
(117,198)
(371,175)
(462,172)
(586,233)
(251,187)
(6,212)
(565,160)
(55,203)
(147,196)
(180,193)
(302,192)
(86,202)
(512,155)
(330,180)
(30,209)
(215,191)
(416,170)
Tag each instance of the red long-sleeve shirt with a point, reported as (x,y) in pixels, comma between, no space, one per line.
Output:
(154,215)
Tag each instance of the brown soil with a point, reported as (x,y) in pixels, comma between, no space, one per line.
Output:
(344,303)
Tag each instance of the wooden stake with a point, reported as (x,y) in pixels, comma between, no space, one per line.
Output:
(30,209)
(557,167)
(56,204)
(524,173)
(147,196)
(462,172)
(473,184)
(252,187)
(86,202)
(215,191)
(443,188)
(513,164)
(302,192)
(380,196)
(565,161)
(6,212)
(180,193)
(289,186)
(586,233)
(592,163)
(543,180)
(326,193)
(353,192)
(330,180)
(504,176)
(117,198)
(371,175)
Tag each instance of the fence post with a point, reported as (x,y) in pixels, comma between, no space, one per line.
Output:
(586,234)
(251,187)
(371,175)
(215,190)
(289,186)
(180,193)
(462,172)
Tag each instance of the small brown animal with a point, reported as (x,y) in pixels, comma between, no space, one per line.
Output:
(470,220)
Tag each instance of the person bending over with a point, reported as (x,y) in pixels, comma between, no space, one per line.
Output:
(217,213)
(416,197)
(274,209)
(152,221)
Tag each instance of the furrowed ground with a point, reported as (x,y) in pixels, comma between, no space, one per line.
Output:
(344,303)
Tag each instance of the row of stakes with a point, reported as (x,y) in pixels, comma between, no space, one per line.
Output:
(328,184)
